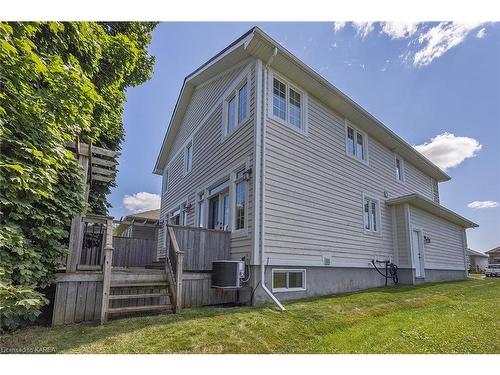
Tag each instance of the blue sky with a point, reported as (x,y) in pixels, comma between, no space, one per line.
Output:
(437,85)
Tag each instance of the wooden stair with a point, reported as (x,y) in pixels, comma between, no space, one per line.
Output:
(135,295)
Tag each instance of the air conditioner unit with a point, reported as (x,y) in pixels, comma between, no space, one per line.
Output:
(227,274)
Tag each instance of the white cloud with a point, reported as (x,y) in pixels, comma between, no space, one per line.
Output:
(363,28)
(142,201)
(337,26)
(399,30)
(482,204)
(439,39)
(426,41)
(481,33)
(448,151)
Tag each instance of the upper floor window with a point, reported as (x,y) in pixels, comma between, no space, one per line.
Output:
(188,158)
(236,108)
(164,186)
(287,104)
(371,214)
(356,143)
(399,169)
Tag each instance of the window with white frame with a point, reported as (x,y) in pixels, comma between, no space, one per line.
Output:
(178,216)
(371,214)
(287,103)
(200,221)
(399,168)
(188,158)
(240,200)
(164,186)
(356,143)
(288,280)
(237,107)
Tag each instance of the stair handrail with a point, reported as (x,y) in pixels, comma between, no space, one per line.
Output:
(179,261)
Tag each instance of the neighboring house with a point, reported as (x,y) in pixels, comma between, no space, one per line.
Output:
(477,261)
(142,225)
(312,187)
(494,255)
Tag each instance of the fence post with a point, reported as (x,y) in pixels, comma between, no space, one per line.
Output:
(106,270)
(178,278)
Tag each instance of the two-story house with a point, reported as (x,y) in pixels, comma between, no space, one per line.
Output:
(311,186)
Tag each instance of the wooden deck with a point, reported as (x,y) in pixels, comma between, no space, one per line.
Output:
(108,277)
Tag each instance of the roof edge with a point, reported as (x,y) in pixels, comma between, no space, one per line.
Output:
(428,204)
(440,175)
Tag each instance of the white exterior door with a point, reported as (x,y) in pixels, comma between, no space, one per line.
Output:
(418,253)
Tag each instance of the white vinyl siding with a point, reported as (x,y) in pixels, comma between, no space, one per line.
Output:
(188,158)
(214,155)
(401,237)
(446,247)
(314,209)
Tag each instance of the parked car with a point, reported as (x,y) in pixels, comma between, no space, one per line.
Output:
(492,270)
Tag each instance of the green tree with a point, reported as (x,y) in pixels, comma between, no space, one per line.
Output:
(58,81)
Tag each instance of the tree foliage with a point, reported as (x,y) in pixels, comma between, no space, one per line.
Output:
(58,81)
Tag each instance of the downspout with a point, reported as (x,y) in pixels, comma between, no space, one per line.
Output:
(263,184)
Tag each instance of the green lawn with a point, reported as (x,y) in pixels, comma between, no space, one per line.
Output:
(457,317)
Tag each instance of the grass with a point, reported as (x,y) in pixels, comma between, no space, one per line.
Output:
(455,317)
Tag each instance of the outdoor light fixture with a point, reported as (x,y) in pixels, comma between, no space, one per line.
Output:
(247,174)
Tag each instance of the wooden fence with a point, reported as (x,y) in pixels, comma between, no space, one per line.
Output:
(133,252)
(201,246)
(198,248)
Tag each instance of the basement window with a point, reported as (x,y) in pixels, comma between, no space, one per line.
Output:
(288,280)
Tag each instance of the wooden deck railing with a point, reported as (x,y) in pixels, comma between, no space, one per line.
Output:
(87,239)
(174,267)
(201,246)
(191,249)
